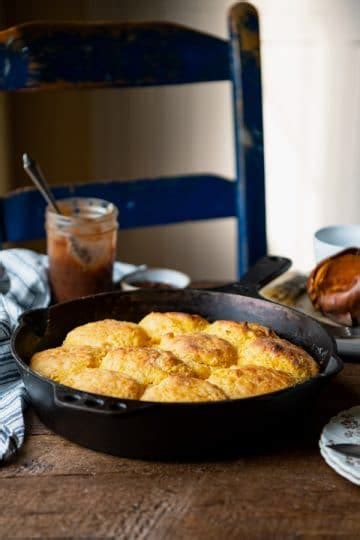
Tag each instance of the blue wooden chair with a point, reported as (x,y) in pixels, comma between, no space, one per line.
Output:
(41,56)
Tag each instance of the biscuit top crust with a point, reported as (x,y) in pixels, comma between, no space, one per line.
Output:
(185,389)
(201,351)
(279,354)
(249,381)
(158,324)
(108,334)
(144,364)
(52,363)
(104,382)
(238,333)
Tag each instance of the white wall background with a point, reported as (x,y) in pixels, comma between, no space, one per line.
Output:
(312,119)
(171,130)
(311,86)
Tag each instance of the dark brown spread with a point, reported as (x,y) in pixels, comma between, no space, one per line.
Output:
(81,245)
(71,277)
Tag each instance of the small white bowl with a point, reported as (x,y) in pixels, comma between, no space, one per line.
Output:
(177,280)
(336,238)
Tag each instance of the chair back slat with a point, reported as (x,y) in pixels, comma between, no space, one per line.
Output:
(141,203)
(63,55)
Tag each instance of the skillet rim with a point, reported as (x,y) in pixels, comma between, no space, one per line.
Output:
(332,354)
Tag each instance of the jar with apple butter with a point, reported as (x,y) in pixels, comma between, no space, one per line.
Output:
(81,246)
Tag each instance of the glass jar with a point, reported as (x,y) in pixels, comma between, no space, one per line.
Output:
(81,246)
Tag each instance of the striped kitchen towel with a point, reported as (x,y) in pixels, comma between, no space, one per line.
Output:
(23,286)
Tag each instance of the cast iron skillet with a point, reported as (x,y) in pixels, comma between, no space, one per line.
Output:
(140,429)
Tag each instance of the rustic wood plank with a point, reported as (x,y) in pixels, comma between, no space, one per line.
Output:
(184,501)
(34,426)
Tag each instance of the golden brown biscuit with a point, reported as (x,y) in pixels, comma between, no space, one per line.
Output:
(250,380)
(200,352)
(238,333)
(104,382)
(144,364)
(179,388)
(52,363)
(158,324)
(281,355)
(108,334)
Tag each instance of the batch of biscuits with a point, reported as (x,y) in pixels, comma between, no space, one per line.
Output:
(172,357)
(175,357)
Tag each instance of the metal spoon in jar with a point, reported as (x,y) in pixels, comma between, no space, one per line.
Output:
(34,172)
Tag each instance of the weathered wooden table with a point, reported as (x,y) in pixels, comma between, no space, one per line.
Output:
(55,489)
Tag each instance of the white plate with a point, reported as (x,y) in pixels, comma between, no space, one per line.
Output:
(333,457)
(339,470)
(343,428)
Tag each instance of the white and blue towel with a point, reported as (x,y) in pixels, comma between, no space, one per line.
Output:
(23,286)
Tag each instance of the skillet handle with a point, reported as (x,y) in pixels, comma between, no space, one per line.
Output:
(260,274)
(82,401)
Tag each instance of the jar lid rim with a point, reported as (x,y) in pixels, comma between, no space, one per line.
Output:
(109,210)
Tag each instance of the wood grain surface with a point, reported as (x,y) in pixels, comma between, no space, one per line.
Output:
(55,489)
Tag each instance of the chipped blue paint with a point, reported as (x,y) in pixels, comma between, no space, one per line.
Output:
(39,55)
(13,69)
(141,203)
(247,102)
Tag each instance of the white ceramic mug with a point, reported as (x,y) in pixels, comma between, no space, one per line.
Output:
(336,238)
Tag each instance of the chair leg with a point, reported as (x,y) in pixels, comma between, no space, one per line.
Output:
(247,99)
